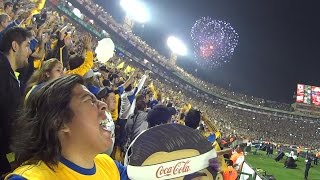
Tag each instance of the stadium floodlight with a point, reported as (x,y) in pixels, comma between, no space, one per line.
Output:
(77,13)
(135,10)
(176,46)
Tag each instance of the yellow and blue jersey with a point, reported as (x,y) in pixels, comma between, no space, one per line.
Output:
(104,168)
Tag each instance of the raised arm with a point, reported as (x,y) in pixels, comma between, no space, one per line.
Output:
(130,80)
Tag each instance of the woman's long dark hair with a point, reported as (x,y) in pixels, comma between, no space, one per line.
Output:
(35,132)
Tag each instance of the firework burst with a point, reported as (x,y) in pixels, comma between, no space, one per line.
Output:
(214,42)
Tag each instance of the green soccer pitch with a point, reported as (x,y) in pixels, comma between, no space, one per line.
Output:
(277,169)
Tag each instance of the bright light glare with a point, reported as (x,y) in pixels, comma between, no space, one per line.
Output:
(77,13)
(135,10)
(177,46)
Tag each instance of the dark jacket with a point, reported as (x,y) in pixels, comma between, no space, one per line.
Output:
(10,99)
(60,52)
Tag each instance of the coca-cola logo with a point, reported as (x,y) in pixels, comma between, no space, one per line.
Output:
(179,168)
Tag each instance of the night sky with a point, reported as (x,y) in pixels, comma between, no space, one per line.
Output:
(278,45)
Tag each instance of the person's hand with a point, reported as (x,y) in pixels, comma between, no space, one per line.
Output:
(45,38)
(40,31)
(23,15)
(62,33)
(34,27)
(87,42)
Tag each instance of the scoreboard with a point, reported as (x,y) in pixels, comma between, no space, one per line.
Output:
(308,94)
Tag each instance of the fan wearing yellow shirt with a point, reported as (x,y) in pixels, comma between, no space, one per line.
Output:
(60,134)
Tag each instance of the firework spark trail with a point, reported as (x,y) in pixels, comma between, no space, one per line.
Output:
(214,42)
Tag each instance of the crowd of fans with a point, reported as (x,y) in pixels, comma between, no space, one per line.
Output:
(266,126)
(39,46)
(248,123)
